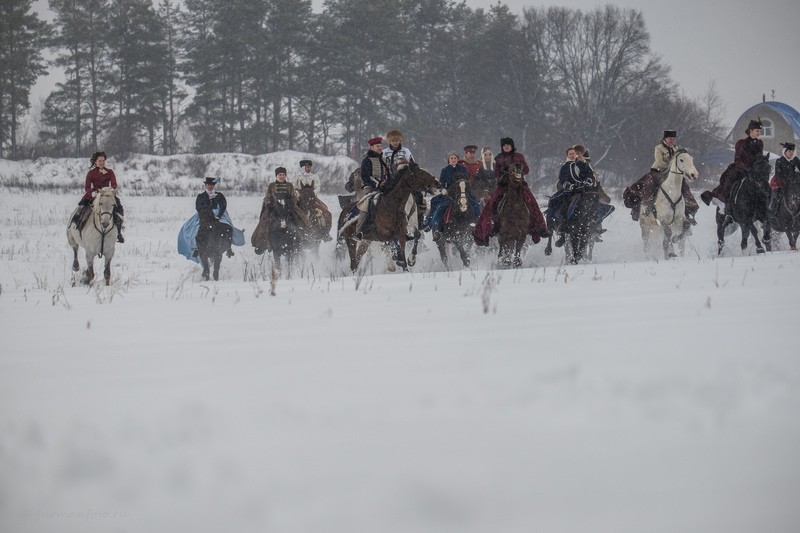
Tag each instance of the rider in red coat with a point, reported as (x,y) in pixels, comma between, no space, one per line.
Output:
(484,228)
(98,177)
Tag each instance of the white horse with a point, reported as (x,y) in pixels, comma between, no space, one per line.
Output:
(666,223)
(98,237)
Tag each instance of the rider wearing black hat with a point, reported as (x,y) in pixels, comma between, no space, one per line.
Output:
(746,152)
(787,169)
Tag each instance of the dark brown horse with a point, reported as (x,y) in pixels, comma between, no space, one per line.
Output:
(318,216)
(459,220)
(390,217)
(787,215)
(512,220)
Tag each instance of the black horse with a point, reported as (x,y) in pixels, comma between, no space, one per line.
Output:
(213,239)
(580,225)
(459,220)
(285,230)
(787,215)
(747,204)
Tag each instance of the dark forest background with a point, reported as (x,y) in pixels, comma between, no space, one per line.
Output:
(258,76)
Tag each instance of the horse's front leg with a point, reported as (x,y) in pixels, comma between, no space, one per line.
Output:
(75,265)
(548,249)
(217,263)
(669,247)
(767,236)
(401,252)
(204,263)
(720,218)
(759,246)
(518,252)
(89,268)
(107,271)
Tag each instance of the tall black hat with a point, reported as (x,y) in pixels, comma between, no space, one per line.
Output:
(210,180)
(670,133)
(787,146)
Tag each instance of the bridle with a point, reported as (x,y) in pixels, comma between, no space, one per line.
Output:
(96,221)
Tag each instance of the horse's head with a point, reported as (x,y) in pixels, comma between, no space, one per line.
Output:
(762,168)
(460,193)
(515,176)
(683,163)
(417,178)
(103,206)
(306,195)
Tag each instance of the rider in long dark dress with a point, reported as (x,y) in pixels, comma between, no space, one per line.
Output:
(503,163)
(746,152)
(211,206)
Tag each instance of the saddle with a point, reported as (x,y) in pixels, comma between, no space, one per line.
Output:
(80,216)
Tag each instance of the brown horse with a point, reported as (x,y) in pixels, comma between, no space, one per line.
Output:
(390,217)
(319,218)
(512,220)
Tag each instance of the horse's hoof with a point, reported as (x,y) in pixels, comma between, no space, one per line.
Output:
(759,250)
(548,250)
(411,261)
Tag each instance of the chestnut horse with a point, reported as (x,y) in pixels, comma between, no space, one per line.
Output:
(512,220)
(318,215)
(390,219)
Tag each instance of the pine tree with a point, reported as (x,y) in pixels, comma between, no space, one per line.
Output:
(22,39)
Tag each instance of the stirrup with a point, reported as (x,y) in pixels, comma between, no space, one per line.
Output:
(229,253)
(359,236)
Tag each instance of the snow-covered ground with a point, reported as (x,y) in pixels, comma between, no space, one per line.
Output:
(627,395)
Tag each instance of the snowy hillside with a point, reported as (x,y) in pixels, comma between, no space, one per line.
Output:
(177,175)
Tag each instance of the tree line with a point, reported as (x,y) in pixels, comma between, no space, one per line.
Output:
(256,76)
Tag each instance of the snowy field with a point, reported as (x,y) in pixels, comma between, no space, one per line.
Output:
(627,395)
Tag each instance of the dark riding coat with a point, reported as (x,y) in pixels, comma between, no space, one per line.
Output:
(205,204)
(786,170)
(746,152)
(374,170)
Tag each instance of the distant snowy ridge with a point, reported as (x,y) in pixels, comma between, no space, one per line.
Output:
(177,175)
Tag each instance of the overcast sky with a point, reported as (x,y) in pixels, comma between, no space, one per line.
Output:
(748,47)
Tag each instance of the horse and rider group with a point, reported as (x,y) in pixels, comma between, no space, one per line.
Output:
(476,198)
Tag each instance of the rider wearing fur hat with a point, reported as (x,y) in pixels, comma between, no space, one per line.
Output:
(503,163)
(98,177)
(644,190)
(306,177)
(787,169)
(746,152)
(396,155)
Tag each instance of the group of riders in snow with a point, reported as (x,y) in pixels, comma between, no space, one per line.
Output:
(488,178)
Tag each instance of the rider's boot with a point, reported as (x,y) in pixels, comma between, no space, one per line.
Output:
(118,223)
